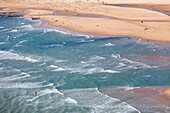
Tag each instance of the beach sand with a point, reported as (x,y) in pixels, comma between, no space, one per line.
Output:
(167,92)
(142,19)
(95,18)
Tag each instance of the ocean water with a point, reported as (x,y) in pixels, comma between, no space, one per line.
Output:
(45,69)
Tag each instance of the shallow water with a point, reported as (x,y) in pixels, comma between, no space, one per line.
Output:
(65,69)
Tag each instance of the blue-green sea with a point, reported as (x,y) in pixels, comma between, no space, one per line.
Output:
(45,69)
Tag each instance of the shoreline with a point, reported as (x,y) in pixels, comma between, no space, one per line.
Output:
(83,21)
(46,25)
(145,99)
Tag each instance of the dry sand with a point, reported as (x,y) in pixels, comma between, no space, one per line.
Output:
(101,17)
(167,92)
(105,19)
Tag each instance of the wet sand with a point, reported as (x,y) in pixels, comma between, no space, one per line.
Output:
(145,99)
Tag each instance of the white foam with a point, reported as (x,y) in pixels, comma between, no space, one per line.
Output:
(53,66)
(15,30)
(5,29)
(96,58)
(30,100)
(31,72)
(125,63)
(19,44)
(147,75)
(1,43)
(44,92)
(55,30)
(89,67)
(82,62)
(70,100)
(23,41)
(91,70)
(130,88)
(86,41)
(4,55)
(87,36)
(15,77)
(22,23)
(116,56)
(99,70)
(1,27)
(50,84)
(26,85)
(8,84)
(2,68)
(11,69)
(90,41)
(122,65)
(58,61)
(137,65)
(26,26)
(47,91)
(42,64)
(109,44)
(25,74)
(99,102)
(63,31)
(56,68)
(29,59)
(55,45)
(59,69)
(111,71)
(48,108)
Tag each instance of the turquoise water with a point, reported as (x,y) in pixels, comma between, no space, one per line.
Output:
(60,65)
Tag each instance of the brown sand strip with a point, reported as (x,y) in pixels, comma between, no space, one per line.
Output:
(145,99)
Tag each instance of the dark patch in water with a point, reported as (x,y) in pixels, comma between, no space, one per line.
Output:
(127,45)
(2,16)
(85,41)
(92,40)
(111,38)
(12,14)
(167,13)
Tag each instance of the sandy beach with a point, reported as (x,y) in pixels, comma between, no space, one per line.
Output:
(143,19)
(101,18)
